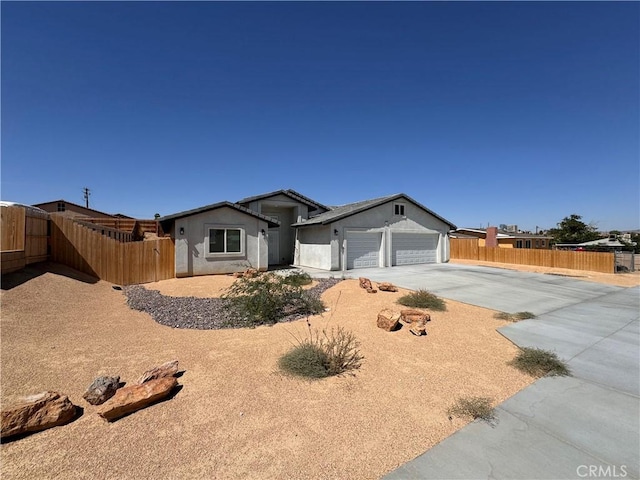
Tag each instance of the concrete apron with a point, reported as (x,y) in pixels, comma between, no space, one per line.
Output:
(585,426)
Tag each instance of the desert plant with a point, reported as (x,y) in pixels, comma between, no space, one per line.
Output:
(473,407)
(305,360)
(298,279)
(266,299)
(514,317)
(323,354)
(538,363)
(423,299)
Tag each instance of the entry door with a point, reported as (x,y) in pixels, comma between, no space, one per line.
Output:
(274,247)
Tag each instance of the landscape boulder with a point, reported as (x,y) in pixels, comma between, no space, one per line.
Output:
(366,284)
(410,316)
(37,412)
(135,397)
(388,320)
(168,369)
(387,287)
(101,390)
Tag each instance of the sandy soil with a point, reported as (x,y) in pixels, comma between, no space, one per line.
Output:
(619,279)
(236,415)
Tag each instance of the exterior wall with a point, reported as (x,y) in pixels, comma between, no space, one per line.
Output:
(191,249)
(288,211)
(313,247)
(373,220)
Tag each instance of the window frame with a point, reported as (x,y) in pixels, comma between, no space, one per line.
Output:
(225,228)
(399,207)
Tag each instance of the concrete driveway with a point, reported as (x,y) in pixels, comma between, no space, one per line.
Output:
(584,426)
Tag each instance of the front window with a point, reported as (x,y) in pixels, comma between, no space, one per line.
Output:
(518,243)
(225,240)
(398,209)
(61,207)
(528,244)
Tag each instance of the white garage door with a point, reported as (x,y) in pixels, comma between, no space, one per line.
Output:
(363,249)
(414,248)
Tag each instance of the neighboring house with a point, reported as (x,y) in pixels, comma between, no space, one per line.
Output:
(69,209)
(221,238)
(505,239)
(612,244)
(285,227)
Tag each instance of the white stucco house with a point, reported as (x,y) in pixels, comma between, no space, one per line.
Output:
(287,228)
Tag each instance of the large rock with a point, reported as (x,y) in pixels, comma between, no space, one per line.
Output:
(101,390)
(135,397)
(37,412)
(366,284)
(168,369)
(387,287)
(410,316)
(388,320)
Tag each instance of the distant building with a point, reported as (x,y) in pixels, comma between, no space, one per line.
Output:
(504,238)
(70,209)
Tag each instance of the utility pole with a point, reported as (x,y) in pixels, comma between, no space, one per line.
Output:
(86,192)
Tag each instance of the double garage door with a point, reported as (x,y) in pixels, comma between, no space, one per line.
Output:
(413,248)
(363,249)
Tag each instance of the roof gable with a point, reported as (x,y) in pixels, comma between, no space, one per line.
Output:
(289,193)
(215,206)
(343,211)
(66,202)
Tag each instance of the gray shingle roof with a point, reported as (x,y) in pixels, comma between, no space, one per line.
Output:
(343,211)
(272,222)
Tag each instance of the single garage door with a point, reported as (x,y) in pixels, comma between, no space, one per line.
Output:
(363,249)
(413,248)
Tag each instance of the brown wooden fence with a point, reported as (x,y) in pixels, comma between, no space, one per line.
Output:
(23,237)
(122,263)
(130,225)
(468,249)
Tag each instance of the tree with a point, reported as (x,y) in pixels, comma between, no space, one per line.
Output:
(573,230)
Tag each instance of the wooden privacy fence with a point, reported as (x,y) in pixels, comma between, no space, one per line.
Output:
(122,263)
(23,237)
(468,249)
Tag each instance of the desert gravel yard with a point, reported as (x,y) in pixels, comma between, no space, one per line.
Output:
(236,415)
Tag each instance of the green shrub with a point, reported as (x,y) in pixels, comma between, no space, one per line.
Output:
(423,299)
(473,407)
(538,363)
(323,354)
(305,360)
(514,317)
(266,299)
(298,279)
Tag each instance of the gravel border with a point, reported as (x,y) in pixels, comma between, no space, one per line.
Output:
(197,313)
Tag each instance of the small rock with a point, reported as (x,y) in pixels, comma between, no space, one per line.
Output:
(101,390)
(365,283)
(36,413)
(418,328)
(388,320)
(387,287)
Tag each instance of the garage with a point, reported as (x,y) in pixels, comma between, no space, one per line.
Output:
(410,248)
(363,249)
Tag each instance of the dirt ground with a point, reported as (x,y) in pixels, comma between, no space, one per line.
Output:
(236,416)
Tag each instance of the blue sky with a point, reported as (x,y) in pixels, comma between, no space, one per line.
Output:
(517,113)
